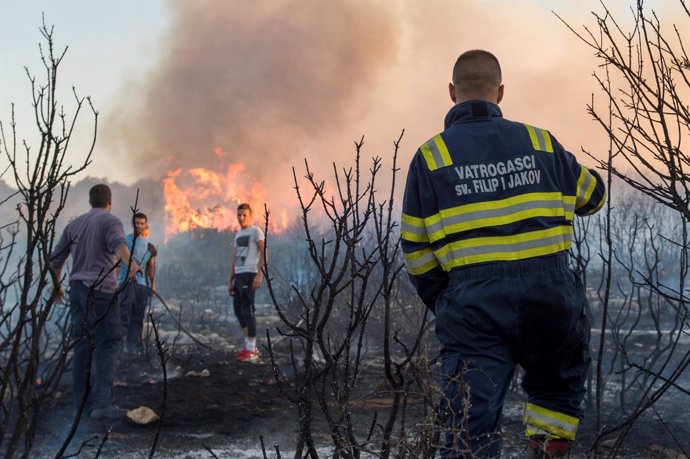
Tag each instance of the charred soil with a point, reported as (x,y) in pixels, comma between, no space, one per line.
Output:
(219,407)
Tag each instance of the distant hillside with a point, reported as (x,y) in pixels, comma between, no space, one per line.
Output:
(150,202)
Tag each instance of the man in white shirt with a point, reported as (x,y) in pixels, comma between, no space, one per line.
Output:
(248,261)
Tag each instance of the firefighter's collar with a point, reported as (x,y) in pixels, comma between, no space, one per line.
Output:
(471,110)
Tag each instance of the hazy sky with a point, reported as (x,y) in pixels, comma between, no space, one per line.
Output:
(269,83)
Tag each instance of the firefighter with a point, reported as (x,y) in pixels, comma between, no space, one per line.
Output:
(486,228)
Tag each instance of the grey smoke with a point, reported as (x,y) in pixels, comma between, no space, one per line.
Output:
(261,80)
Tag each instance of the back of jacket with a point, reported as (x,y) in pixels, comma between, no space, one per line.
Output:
(489,190)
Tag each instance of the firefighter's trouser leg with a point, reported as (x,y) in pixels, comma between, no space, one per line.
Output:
(482,381)
(494,316)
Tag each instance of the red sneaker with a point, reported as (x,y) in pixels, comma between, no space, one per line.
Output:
(248,356)
(239,353)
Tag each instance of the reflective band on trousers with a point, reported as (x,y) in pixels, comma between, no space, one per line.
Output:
(505,248)
(539,420)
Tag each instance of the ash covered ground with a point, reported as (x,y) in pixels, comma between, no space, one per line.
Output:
(219,407)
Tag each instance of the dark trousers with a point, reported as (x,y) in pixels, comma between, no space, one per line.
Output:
(134,300)
(243,302)
(494,317)
(95,323)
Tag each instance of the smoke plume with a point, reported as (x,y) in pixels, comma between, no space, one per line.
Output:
(254,82)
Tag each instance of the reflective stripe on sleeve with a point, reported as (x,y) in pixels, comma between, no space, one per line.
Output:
(586,184)
(505,248)
(541,139)
(499,212)
(420,261)
(436,153)
(434,227)
(413,229)
(539,420)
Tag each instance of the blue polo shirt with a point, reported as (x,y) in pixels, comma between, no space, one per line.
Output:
(140,254)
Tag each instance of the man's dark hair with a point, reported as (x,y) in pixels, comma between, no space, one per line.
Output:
(476,72)
(244,206)
(139,215)
(100,195)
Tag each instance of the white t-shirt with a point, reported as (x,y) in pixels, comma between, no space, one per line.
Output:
(247,250)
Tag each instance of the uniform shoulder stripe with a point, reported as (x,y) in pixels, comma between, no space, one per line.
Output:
(436,153)
(541,139)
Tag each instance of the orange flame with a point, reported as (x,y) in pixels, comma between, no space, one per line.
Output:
(202,198)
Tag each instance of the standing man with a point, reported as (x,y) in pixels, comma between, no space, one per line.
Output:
(136,294)
(248,261)
(96,241)
(486,229)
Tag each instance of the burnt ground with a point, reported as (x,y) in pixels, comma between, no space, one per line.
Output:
(223,414)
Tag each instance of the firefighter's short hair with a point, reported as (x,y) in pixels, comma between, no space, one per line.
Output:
(244,206)
(476,72)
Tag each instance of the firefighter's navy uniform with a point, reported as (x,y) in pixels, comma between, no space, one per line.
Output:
(486,228)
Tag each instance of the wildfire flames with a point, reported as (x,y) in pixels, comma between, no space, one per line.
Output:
(202,198)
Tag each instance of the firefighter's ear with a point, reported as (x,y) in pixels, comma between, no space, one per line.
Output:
(451,90)
(500,94)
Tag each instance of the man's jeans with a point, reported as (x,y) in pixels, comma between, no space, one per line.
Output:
(134,299)
(95,323)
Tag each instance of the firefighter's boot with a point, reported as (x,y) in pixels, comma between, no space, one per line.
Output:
(541,447)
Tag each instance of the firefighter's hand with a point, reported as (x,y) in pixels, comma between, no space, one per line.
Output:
(256,283)
(231,290)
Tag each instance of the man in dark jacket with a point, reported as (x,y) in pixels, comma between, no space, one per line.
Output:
(486,229)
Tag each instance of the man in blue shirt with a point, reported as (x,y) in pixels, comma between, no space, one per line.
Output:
(136,294)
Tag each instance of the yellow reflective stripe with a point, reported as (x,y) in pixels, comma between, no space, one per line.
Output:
(503,211)
(547,140)
(569,204)
(428,157)
(443,150)
(436,153)
(434,227)
(586,184)
(533,431)
(499,212)
(537,418)
(420,261)
(541,139)
(505,248)
(413,229)
(533,136)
